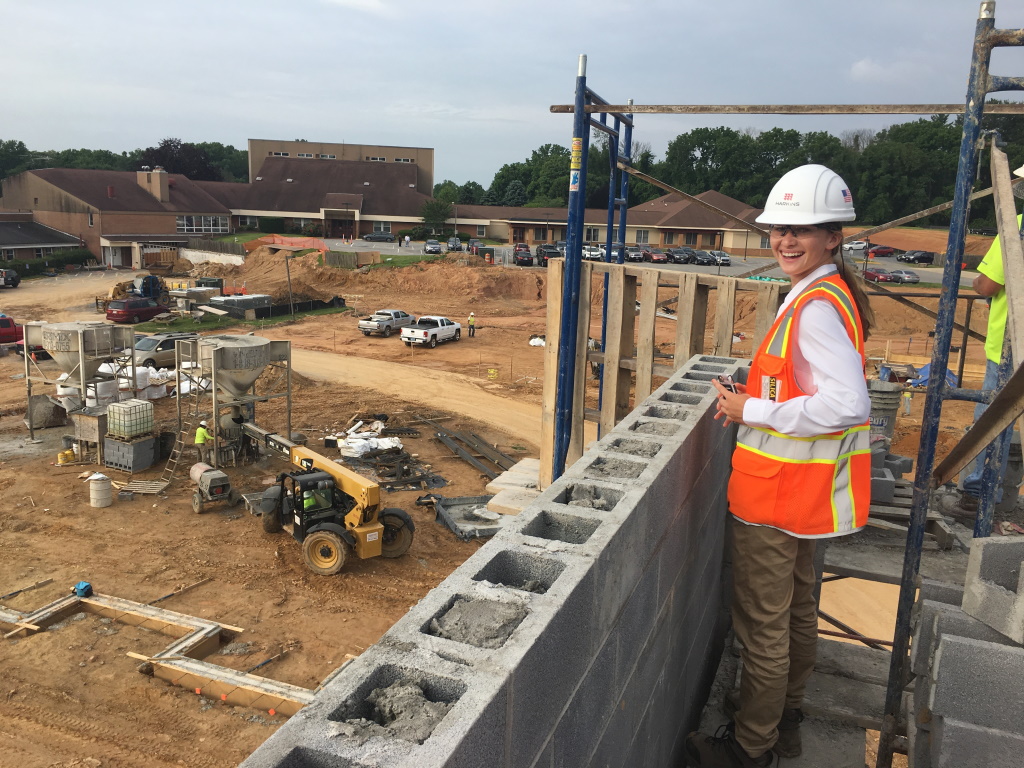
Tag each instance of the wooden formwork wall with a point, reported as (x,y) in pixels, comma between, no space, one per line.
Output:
(629,356)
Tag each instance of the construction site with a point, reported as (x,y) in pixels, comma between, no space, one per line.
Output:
(508,550)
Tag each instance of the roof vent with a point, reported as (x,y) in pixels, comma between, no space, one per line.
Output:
(145,168)
(412,186)
(366,183)
(288,180)
(259,178)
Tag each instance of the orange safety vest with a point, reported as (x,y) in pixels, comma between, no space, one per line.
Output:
(810,486)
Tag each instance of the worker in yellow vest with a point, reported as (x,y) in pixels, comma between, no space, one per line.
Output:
(801,470)
(204,442)
(472,324)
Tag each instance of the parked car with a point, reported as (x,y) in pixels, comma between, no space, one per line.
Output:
(656,256)
(721,258)
(10,331)
(682,255)
(523,258)
(430,330)
(454,244)
(877,275)
(521,247)
(157,351)
(591,253)
(474,243)
(432,246)
(614,257)
(855,245)
(560,245)
(705,259)
(917,257)
(382,237)
(881,250)
(545,252)
(905,276)
(385,322)
(633,253)
(133,310)
(9,278)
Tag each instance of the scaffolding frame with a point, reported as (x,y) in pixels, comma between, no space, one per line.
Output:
(1007,402)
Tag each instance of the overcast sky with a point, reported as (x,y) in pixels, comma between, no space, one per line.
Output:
(473,80)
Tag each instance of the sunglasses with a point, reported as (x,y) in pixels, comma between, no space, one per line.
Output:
(798,232)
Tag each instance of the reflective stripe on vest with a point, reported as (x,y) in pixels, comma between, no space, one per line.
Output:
(806,485)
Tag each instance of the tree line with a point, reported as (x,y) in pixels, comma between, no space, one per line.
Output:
(894,172)
(203,161)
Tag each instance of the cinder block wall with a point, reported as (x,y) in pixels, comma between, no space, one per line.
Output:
(613,582)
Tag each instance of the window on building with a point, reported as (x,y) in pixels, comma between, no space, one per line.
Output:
(39,253)
(328,157)
(90,218)
(669,238)
(214,225)
(279,154)
(377,159)
(248,221)
(643,236)
(382,226)
(8,254)
(403,159)
(765,243)
(481,230)
(303,154)
(592,234)
(690,238)
(35,201)
(540,233)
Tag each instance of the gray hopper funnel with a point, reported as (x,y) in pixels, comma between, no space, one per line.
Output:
(66,343)
(235,362)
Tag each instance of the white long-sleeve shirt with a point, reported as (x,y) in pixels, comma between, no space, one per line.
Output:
(826,365)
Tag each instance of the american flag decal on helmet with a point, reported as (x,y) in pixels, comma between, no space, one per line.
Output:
(788,196)
(847,197)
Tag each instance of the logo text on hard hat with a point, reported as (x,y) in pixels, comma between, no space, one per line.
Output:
(788,196)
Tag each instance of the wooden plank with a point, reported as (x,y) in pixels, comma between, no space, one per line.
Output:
(555,277)
(769,299)
(1013,251)
(725,318)
(898,513)
(577,430)
(876,564)
(645,337)
(852,660)
(617,307)
(840,699)
(691,318)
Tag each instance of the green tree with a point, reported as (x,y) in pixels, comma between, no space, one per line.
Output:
(446,190)
(491,197)
(470,193)
(233,164)
(435,213)
(181,157)
(515,194)
(14,157)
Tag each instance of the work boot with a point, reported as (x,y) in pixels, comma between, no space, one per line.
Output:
(721,751)
(788,744)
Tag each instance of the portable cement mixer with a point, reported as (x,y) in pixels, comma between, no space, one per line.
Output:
(211,485)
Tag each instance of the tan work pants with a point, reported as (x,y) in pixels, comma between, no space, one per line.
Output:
(203,451)
(776,619)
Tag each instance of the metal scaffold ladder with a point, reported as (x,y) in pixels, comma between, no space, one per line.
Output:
(187,359)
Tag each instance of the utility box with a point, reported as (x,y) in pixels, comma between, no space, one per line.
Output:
(90,424)
(134,456)
(128,419)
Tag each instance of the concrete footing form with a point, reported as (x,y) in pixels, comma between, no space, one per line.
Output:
(968,665)
(585,633)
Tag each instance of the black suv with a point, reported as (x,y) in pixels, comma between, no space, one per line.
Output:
(523,258)
(917,257)
(9,278)
(681,255)
(547,251)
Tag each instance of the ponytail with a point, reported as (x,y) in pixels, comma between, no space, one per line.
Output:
(853,281)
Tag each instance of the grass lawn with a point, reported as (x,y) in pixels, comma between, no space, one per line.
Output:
(239,237)
(403,260)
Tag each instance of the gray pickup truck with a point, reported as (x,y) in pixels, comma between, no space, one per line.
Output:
(430,330)
(385,322)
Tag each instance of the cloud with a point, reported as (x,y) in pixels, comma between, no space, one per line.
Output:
(372,7)
(872,71)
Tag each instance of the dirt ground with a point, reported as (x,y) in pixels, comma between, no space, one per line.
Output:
(71,697)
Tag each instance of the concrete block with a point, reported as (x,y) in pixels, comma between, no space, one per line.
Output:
(904,464)
(45,413)
(978,682)
(883,486)
(941,592)
(512,501)
(938,619)
(879,452)
(955,744)
(994,587)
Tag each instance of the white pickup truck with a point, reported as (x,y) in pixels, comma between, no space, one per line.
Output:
(385,322)
(430,330)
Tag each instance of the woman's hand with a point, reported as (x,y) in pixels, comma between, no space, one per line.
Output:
(730,404)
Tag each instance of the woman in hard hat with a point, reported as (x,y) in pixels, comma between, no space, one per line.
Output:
(801,468)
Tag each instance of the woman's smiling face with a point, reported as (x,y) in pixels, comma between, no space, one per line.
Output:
(801,250)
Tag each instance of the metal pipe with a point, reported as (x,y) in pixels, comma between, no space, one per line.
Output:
(963,343)
(966,171)
(849,631)
(868,641)
(790,109)
(613,170)
(571,285)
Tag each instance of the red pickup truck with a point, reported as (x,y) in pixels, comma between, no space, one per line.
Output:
(10,331)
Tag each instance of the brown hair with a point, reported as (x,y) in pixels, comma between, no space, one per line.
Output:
(852,279)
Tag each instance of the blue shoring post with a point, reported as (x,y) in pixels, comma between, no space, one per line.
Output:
(966,169)
(571,286)
(990,475)
(627,148)
(612,155)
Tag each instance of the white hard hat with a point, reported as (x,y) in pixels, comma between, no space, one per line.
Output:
(307,495)
(202,424)
(810,194)
(471,313)
(1019,171)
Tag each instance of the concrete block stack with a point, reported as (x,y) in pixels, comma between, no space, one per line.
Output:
(968,663)
(886,469)
(586,632)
